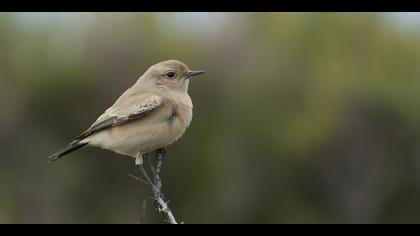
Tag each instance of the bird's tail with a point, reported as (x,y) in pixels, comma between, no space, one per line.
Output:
(72,147)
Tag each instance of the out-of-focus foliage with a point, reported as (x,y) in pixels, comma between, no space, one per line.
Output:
(300,118)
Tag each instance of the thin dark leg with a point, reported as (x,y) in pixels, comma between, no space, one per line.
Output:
(160,155)
(161,152)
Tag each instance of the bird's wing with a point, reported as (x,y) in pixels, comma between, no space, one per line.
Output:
(127,108)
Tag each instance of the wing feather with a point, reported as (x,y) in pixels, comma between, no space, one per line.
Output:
(122,112)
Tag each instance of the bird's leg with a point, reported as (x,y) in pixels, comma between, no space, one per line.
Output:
(160,155)
(151,166)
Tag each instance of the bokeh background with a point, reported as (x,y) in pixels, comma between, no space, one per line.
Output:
(300,118)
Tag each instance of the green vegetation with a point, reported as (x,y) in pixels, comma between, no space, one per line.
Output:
(300,118)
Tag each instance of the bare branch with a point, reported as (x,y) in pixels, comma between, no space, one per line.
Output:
(157,181)
(143,212)
(137,178)
(158,196)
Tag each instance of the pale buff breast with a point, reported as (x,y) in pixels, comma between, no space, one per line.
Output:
(159,129)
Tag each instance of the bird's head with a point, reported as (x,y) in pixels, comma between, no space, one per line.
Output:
(171,74)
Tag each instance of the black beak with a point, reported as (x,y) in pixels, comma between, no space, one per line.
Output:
(194,73)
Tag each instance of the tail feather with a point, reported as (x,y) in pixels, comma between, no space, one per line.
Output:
(72,147)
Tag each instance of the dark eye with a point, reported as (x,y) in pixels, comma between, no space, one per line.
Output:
(171,75)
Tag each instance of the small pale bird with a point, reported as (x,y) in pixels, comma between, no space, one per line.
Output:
(149,116)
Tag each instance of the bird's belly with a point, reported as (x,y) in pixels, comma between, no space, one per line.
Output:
(139,136)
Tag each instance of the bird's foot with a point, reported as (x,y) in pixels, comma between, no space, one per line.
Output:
(160,153)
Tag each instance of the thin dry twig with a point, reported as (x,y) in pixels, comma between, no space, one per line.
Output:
(137,178)
(143,212)
(157,180)
(158,197)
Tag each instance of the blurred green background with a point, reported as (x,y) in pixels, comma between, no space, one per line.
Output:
(300,118)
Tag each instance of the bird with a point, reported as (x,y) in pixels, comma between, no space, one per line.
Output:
(149,116)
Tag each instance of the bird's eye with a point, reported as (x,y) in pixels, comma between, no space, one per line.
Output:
(171,75)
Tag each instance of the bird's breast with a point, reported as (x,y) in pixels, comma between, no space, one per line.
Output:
(178,120)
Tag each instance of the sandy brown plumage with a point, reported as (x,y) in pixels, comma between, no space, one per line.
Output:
(152,114)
